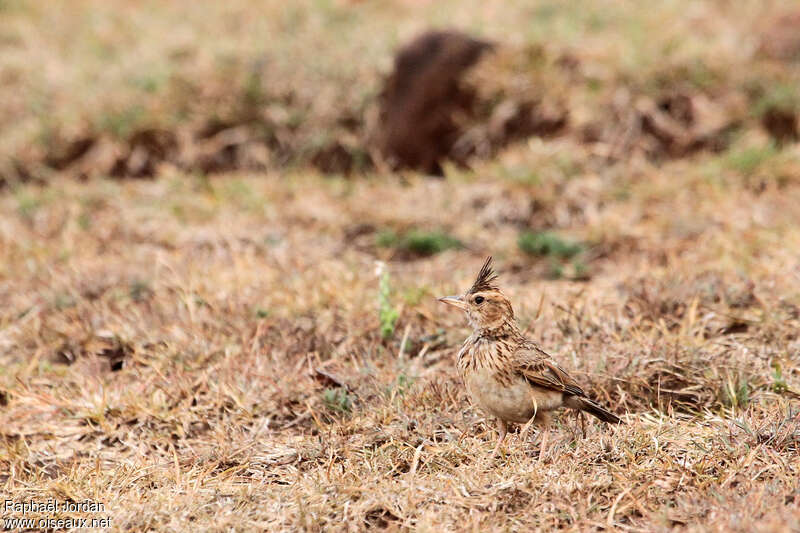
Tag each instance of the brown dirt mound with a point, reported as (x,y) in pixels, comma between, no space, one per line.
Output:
(421,98)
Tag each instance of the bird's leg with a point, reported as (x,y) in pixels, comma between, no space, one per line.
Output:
(527,425)
(583,423)
(502,428)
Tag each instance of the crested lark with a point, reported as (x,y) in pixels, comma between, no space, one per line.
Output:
(506,374)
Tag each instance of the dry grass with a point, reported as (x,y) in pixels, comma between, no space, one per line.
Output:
(256,391)
(209,353)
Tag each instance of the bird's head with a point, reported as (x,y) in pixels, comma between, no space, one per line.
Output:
(487,308)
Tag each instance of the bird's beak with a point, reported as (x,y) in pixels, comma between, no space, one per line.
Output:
(455,301)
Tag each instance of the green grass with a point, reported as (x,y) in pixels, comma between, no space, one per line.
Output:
(781,96)
(418,242)
(748,160)
(337,400)
(139,290)
(779,381)
(736,393)
(387,314)
(548,244)
(564,257)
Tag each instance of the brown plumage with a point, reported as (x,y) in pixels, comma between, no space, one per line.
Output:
(508,375)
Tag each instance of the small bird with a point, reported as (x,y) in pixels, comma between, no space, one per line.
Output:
(505,373)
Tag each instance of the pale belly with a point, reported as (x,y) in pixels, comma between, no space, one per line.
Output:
(515,403)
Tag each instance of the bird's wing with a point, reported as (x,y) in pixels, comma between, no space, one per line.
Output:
(537,367)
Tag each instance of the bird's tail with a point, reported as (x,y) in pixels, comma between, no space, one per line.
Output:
(593,408)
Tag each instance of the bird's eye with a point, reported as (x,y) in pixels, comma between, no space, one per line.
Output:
(479,300)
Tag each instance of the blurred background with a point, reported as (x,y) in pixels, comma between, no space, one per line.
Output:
(127,89)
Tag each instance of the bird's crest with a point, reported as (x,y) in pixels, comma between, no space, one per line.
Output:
(486,278)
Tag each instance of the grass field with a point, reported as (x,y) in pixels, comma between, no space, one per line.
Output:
(264,350)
